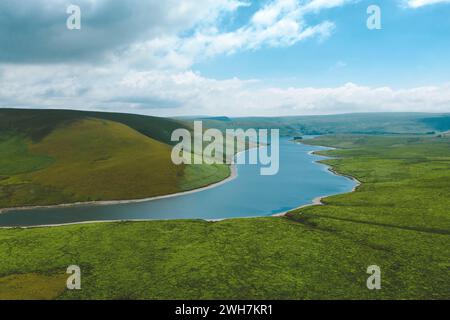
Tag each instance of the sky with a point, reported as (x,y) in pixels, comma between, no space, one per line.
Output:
(226,57)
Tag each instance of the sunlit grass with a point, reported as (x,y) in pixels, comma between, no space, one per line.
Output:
(398,219)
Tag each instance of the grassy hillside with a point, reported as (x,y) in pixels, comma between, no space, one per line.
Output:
(411,186)
(398,219)
(363,123)
(53,157)
(36,124)
(110,161)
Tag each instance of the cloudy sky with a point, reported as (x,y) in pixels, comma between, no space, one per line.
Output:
(226,57)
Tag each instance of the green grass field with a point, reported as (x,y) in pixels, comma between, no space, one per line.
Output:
(36,124)
(398,219)
(53,157)
(357,123)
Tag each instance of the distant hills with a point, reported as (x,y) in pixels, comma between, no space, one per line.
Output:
(438,123)
(358,123)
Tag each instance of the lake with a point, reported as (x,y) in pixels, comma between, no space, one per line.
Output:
(299,181)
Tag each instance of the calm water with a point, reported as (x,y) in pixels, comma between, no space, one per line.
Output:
(298,182)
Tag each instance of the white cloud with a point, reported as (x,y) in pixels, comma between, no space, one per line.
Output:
(150,33)
(280,23)
(151,74)
(108,26)
(168,93)
(422,3)
(338,65)
(316,5)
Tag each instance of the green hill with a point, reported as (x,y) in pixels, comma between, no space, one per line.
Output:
(53,157)
(357,123)
(438,123)
(36,124)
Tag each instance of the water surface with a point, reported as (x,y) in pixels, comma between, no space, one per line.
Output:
(298,182)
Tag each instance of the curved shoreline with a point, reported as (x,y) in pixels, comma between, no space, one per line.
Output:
(318,200)
(233,175)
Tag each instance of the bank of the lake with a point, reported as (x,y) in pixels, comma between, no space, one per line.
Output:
(248,194)
(233,175)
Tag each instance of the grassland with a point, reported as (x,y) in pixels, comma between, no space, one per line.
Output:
(398,219)
(53,157)
(358,123)
(35,124)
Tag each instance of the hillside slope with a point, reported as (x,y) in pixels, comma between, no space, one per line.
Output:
(36,124)
(75,158)
(109,161)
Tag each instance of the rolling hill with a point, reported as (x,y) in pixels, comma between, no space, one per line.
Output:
(54,157)
(357,123)
(36,124)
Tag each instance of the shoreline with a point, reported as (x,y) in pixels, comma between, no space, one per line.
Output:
(318,200)
(233,175)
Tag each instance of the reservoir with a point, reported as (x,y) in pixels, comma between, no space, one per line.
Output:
(299,181)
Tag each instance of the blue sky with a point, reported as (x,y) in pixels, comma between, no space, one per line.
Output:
(412,42)
(226,57)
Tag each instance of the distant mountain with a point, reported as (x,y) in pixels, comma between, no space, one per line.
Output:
(203,117)
(438,123)
(358,123)
(223,119)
